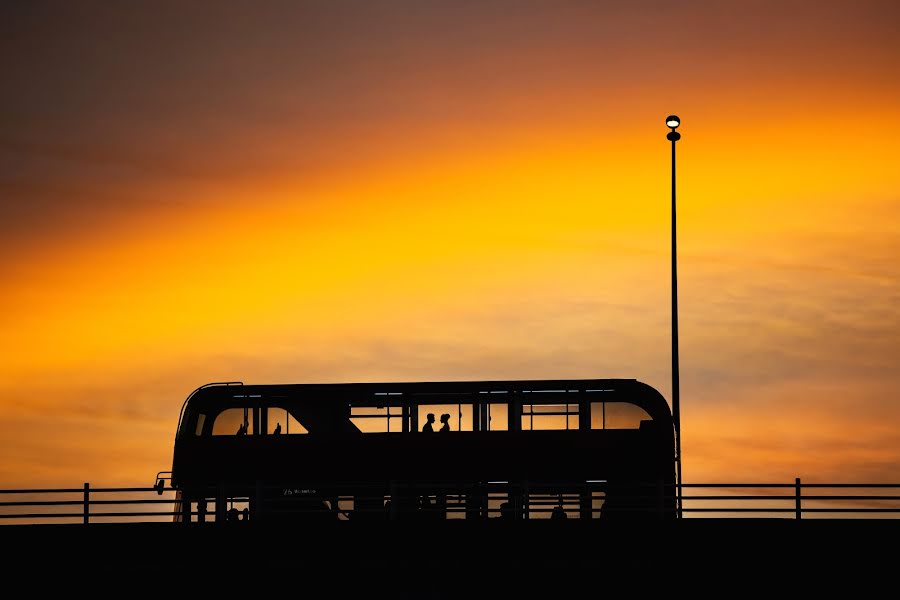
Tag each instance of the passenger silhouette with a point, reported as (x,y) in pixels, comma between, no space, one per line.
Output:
(242,430)
(558,511)
(445,419)
(277,429)
(429,420)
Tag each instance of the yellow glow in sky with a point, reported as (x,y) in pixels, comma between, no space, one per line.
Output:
(453,198)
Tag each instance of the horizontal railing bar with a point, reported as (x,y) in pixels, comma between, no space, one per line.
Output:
(735,509)
(46,491)
(134,514)
(43,515)
(732,485)
(81,502)
(147,501)
(852,510)
(793,497)
(125,489)
(773,498)
(850,485)
(45,503)
(785,485)
(805,497)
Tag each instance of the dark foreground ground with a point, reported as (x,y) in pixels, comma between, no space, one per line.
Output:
(541,559)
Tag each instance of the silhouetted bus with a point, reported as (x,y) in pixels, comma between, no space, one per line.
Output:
(508,449)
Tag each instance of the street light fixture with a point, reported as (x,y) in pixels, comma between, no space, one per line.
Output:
(672,121)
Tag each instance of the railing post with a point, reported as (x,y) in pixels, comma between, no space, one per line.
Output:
(87,503)
(526,502)
(798,510)
(186,516)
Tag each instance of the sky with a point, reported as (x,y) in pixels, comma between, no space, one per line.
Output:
(290,192)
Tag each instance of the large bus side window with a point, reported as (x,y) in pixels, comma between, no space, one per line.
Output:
(549,417)
(617,415)
(281,422)
(381,419)
(498,417)
(459,416)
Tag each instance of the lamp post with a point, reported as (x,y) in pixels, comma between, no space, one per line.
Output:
(672,122)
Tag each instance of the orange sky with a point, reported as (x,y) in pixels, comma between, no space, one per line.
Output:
(354,191)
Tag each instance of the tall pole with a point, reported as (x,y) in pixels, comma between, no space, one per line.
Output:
(673,122)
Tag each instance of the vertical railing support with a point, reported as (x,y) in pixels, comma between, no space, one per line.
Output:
(526,502)
(186,516)
(798,509)
(87,503)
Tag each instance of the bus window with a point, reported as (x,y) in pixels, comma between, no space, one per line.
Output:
(460,416)
(201,419)
(280,421)
(382,419)
(498,417)
(549,416)
(617,415)
(230,420)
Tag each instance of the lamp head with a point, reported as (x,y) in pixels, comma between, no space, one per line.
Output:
(673,121)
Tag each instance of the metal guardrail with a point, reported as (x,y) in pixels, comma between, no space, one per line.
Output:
(497,499)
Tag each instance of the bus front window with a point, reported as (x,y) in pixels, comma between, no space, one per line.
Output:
(232,421)
(201,420)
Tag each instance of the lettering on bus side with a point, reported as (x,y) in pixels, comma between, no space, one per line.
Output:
(297,491)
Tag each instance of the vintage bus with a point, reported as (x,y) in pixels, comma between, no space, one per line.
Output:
(475,450)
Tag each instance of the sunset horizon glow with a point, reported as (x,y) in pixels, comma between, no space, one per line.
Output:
(406,191)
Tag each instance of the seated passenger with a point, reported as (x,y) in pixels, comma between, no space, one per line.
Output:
(277,429)
(445,419)
(242,430)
